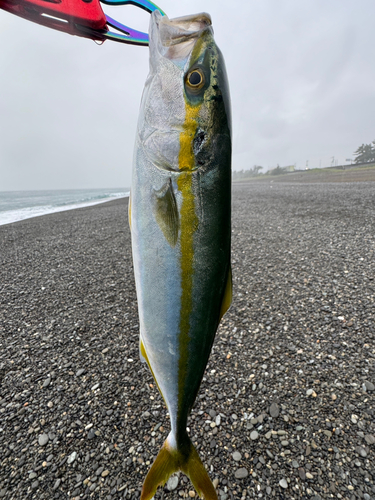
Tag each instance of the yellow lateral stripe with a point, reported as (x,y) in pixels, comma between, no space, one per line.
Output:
(130,211)
(186,154)
(188,225)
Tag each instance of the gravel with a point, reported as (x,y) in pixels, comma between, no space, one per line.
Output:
(302,319)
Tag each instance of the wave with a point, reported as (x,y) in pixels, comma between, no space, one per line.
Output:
(25,205)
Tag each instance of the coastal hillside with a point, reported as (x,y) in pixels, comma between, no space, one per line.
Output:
(347,174)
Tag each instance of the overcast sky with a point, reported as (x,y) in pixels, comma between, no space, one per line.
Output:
(301,73)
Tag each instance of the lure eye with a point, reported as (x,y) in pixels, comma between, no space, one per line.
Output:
(195,79)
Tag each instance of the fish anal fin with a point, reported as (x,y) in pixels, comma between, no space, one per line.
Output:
(166,212)
(142,352)
(227,297)
(170,460)
(144,359)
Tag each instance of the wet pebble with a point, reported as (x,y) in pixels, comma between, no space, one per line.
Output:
(172,483)
(254,435)
(274,410)
(241,473)
(283,483)
(369,386)
(46,382)
(72,457)
(43,439)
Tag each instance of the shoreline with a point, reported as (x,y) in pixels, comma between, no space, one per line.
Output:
(73,206)
(285,408)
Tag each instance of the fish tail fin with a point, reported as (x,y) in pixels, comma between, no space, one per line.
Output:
(195,471)
(170,460)
(165,465)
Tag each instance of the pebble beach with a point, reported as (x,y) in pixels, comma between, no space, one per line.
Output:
(286,408)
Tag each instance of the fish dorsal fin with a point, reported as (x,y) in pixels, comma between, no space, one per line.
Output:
(166,212)
(227,298)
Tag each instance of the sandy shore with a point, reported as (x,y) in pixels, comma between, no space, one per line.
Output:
(287,406)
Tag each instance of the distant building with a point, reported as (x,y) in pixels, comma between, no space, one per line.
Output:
(289,168)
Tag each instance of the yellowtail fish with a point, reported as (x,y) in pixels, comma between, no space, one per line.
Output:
(180,223)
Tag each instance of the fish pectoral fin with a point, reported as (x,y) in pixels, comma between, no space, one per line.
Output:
(170,460)
(166,212)
(227,297)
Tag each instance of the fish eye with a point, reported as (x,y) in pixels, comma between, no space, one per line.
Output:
(195,79)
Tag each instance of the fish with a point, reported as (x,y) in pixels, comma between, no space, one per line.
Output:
(180,220)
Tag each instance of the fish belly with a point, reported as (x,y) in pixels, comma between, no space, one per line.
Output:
(156,270)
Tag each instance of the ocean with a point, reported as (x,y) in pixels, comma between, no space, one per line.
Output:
(20,205)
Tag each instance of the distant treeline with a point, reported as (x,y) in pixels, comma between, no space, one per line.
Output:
(365,153)
(256,171)
(245,174)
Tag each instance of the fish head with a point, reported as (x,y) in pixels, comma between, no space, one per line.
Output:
(186,93)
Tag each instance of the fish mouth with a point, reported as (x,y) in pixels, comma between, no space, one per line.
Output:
(176,37)
(181,29)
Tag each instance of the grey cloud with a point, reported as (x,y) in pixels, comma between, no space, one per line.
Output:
(301,77)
